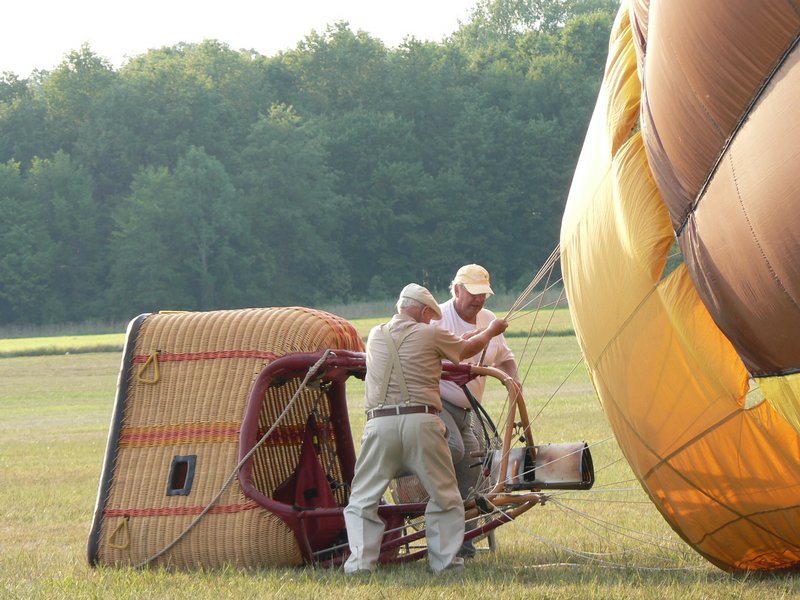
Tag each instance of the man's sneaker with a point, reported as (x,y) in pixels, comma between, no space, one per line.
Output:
(457,564)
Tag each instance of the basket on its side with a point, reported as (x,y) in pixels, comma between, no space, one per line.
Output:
(174,438)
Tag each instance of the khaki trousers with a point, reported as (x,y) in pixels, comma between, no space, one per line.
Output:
(391,446)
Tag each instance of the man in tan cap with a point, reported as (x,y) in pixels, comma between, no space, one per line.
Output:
(464,312)
(403,432)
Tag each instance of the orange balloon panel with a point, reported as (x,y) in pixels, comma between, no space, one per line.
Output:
(723,473)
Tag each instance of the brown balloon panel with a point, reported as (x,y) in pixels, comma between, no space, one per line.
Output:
(704,66)
(742,242)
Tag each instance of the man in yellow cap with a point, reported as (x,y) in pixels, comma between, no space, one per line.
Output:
(404,433)
(464,312)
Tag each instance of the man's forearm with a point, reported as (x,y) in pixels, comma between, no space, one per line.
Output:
(476,343)
(510,368)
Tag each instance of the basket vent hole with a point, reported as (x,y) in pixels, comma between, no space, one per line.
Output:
(181,475)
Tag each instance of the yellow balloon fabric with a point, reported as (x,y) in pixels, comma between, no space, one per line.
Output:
(723,469)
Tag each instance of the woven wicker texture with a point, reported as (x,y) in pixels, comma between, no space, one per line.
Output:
(276,460)
(407,488)
(188,386)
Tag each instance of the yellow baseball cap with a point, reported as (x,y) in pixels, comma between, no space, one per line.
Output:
(475,278)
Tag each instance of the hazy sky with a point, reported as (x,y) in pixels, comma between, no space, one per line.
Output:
(37,35)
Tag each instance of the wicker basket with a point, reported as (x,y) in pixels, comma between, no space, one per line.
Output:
(174,439)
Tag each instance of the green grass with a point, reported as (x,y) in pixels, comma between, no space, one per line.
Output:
(54,416)
(68,344)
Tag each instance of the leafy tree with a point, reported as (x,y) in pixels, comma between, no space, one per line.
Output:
(25,254)
(203,95)
(144,274)
(23,122)
(293,211)
(429,86)
(176,241)
(359,141)
(585,39)
(411,247)
(62,200)
(70,90)
(337,70)
(208,228)
(360,144)
(493,19)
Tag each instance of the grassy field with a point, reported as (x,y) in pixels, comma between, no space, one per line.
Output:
(606,543)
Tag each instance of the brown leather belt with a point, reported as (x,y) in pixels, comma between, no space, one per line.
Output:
(400,409)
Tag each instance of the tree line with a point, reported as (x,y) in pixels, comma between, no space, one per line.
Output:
(197,177)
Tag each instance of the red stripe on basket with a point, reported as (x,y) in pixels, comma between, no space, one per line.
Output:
(158,435)
(183,356)
(292,435)
(178,511)
(346,333)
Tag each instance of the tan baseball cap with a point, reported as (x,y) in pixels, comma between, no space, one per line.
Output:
(475,278)
(421,294)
